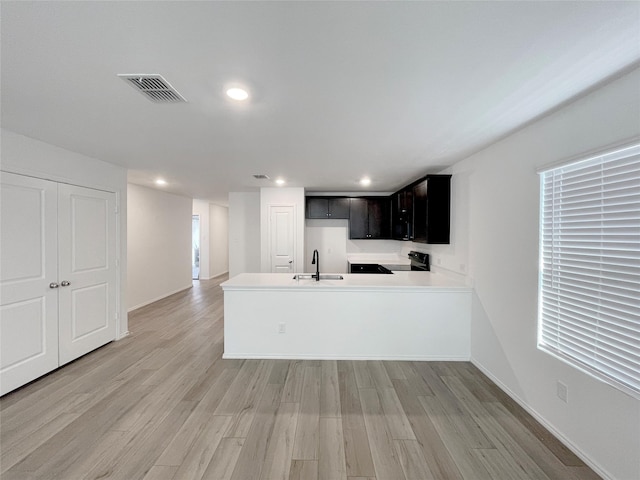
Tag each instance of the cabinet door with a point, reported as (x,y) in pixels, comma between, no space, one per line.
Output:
(379,217)
(364,268)
(339,207)
(420,212)
(438,209)
(317,207)
(358,218)
(397,218)
(28,266)
(402,215)
(86,271)
(406,202)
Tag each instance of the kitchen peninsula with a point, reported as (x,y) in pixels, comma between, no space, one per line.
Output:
(404,316)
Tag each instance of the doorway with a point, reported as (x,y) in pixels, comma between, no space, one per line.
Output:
(282,241)
(195,250)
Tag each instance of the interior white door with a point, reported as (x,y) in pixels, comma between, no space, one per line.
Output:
(87,270)
(282,240)
(28,279)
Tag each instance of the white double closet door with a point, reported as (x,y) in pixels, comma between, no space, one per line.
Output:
(57,275)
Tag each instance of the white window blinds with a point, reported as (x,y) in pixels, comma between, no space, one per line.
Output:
(589,312)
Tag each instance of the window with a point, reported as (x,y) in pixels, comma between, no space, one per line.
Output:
(589,304)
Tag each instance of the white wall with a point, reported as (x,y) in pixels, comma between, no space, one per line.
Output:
(219,243)
(244,233)
(330,238)
(159,242)
(282,196)
(27,156)
(496,235)
(201,208)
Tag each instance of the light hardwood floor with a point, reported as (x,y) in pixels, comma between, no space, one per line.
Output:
(163,405)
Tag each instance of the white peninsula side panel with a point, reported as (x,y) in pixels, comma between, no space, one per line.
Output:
(345,320)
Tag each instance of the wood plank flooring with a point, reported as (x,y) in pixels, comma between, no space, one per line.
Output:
(162,404)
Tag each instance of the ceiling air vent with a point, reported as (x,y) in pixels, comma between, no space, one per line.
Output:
(154,87)
(261,176)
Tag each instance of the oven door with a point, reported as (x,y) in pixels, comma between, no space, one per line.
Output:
(419,267)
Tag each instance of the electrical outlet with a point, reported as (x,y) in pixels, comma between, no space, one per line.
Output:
(282,327)
(563,392)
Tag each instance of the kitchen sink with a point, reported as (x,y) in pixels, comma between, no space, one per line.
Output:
(323,276)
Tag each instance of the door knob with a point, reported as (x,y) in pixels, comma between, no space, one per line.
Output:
(53,285)
(64,283)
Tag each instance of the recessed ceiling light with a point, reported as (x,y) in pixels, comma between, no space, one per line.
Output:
(280,181)
(161,181)
(365,181)
(237,94)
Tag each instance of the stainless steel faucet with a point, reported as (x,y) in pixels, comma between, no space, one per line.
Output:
(316,261)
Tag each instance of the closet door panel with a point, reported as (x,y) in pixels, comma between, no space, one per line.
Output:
(28,265)
(87,223)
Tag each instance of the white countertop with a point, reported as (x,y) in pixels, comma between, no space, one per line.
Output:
(398,281)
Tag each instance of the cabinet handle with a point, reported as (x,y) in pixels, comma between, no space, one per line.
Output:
(64,283)
(53,285)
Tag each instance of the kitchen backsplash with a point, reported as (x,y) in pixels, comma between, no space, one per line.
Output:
(374,246)
(331,239)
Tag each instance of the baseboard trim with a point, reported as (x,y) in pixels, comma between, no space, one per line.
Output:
(168,294)
(214,276)
(123,335)
(568,443)
(401,358)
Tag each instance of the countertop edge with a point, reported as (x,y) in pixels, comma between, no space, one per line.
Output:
(350,288)
(399,282)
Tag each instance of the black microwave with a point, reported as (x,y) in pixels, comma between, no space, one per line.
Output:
(402,230)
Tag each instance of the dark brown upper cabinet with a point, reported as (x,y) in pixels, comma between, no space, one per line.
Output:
(328,207)
(370,218)
(432,209)
(420,212)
